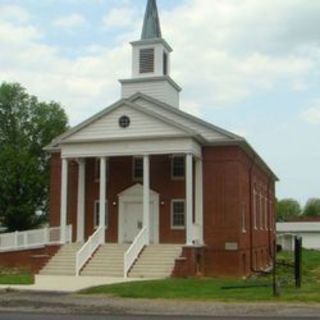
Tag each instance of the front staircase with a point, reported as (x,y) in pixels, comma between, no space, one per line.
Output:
(107,261)
(154,262)
(63,263)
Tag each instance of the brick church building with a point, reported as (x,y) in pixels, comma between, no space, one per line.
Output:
(151,191)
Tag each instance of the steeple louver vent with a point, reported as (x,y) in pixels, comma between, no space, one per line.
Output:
(146,60)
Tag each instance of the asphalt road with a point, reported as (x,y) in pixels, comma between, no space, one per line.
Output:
(32,316)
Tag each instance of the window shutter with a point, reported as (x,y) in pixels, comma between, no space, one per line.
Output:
(146,60)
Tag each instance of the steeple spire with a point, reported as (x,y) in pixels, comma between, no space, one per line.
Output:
(151,25)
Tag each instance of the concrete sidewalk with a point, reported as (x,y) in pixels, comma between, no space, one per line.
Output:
(66,284)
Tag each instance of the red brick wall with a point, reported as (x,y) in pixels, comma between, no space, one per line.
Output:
(32,260)
(227,197)
(229,178)
(120,178)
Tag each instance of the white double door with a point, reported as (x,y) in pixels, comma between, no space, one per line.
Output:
(133,221)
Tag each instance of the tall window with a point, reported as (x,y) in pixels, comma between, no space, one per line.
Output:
(266,213)
(243,218)
(97,170)
(261,207)
(146,60)
(165,63)
(178,167)
(96,215)
(137,168)
(271,216)
(178,214)
(255,225)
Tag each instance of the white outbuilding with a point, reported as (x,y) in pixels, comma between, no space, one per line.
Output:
(309,231)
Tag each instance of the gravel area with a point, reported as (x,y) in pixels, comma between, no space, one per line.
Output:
(80,304)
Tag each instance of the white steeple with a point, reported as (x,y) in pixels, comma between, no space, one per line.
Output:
(151,63)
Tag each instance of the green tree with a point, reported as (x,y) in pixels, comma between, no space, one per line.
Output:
(26,126)
(288,209)
(312,208)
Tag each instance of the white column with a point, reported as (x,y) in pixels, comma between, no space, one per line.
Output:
(81,200)
(146,195)
(103,190)
(199,197)
(189,199)
(64,200)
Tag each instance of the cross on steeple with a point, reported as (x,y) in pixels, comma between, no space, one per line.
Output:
(151,25)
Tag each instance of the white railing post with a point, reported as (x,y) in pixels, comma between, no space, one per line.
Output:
(134,250)
(16,235)
(25,239)
(89,248)
(46,235)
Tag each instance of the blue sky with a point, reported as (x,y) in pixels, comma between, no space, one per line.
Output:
(250,66)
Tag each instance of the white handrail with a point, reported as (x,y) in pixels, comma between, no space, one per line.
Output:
(134,250)
(20,240)
(88,249)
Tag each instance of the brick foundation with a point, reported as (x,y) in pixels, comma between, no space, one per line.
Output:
(32,260)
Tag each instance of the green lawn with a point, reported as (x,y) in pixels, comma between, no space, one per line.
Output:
(15,276)
(214,289)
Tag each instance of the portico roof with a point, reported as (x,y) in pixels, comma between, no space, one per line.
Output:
(153,120)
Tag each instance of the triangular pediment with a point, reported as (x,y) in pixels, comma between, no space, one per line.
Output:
(135,191)
(206,130)
(143,124)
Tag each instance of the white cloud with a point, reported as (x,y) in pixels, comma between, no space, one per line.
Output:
(234,49)
(120,17)
(312,115)
(225,51)
(12,12)
(74,20)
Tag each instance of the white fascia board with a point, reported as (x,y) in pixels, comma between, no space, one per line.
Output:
(131,148)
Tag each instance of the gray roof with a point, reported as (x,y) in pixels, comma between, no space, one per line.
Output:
(151,25)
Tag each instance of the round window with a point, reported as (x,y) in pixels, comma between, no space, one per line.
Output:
(124,122)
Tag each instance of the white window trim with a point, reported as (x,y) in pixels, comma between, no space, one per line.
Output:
(133,169)
(271,215)
(261,207)
(172,167)
(95,213)
(255,224)
(171,215)
(244,217)
(266,213)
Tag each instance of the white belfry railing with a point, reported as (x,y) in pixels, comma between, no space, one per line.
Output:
(134,250)
(30,239)
(88,249)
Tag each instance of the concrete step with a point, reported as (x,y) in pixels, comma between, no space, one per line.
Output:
(63,262)
(156,261)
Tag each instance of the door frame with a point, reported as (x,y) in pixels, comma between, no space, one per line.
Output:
(134,194)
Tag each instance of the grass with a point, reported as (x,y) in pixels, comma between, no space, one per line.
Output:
(215,289)
(15,276)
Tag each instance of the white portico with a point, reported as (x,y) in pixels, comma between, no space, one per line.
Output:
(139,197)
